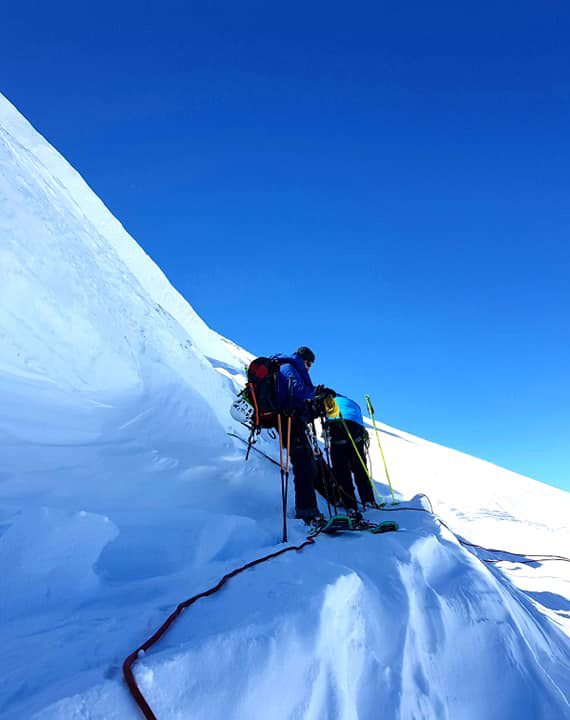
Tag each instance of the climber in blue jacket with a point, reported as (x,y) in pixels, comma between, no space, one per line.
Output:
(296,389)
(346,460)
(297,397)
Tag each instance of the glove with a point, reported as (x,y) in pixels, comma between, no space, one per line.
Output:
(321,391)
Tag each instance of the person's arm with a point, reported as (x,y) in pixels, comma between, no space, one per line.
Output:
(300,392)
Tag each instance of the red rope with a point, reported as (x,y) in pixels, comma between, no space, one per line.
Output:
(132,658)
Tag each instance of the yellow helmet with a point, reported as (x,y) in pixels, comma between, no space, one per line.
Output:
(331,408)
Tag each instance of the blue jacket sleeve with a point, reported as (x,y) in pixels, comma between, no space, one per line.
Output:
(294,389)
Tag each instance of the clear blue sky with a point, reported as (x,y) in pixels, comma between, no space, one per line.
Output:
(387,182)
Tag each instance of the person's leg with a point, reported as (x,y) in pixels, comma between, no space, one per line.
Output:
(325,483)
(304,471)
(340,461)
(341,467)
(360,476)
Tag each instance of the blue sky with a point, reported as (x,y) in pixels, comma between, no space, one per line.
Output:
(385,182)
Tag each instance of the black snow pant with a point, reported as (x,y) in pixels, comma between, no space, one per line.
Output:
(308,471)
(346,463)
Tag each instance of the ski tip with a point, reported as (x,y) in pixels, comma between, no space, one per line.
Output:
(385,527)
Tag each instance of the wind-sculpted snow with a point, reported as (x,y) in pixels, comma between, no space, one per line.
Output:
(121,495)
(47,558)
(409,623)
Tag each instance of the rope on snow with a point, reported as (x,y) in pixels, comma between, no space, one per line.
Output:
(133,657)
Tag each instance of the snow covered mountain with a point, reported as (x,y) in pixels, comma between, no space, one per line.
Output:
(121,495)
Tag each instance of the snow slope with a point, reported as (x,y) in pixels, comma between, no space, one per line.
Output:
(121,495)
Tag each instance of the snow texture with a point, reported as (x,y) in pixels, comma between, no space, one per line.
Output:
(121,495)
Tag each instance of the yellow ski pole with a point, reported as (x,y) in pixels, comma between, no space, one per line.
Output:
(371,411)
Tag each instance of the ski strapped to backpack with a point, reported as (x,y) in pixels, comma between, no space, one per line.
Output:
(262,390)
(257,405)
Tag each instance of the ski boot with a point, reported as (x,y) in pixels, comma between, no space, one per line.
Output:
(315,524)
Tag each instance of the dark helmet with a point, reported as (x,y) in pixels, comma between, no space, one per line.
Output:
(306,353)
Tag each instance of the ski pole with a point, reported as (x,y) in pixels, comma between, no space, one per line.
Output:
(287,477)
(283,497)
(326,484)
(371,411)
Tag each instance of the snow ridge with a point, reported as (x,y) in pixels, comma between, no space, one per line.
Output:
(122,495)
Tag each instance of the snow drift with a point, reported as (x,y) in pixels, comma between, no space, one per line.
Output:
(121,495)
